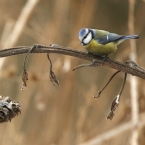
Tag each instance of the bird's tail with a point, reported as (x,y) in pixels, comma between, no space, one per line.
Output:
(131,37)
(123,38)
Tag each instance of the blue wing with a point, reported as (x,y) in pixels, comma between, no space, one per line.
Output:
(112,37)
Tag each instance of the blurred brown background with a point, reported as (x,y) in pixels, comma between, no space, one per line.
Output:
(68,114)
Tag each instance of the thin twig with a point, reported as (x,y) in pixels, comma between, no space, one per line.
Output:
(25,74)
(52,75)
(124,81)
(24,62)
(115,102)
(97,95)
(93,64)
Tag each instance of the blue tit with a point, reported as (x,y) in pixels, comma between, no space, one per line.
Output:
(100,42)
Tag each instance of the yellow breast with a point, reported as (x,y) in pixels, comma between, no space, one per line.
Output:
(101,49)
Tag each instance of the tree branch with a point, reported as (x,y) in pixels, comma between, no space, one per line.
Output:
(124,67)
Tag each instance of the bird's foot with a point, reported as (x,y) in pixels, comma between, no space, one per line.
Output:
(105,58)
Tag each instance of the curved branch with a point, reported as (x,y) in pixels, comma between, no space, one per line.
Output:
(124,67)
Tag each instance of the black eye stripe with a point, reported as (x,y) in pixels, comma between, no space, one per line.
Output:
(86,35)
(92,35)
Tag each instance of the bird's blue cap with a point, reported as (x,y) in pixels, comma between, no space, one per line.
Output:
(82,33)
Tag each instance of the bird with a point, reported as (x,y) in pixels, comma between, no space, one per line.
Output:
(101,42)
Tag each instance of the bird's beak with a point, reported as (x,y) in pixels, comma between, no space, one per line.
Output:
(81,43)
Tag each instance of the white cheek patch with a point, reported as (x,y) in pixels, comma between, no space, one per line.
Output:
(88,38)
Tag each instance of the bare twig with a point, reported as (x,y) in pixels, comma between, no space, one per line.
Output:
(31,49)
(75,53)
(124,81)
(115,102)
(52,75)
(93,64)
(97,95)
(25,74)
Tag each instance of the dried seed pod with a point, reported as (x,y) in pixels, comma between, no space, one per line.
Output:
(8,109)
